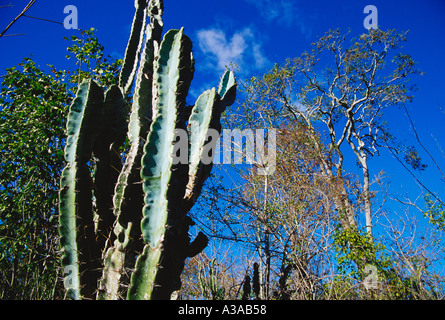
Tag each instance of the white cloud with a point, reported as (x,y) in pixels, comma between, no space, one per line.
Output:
(241,48)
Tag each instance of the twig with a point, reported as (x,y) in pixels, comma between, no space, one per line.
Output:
(413,175)
(28,6)
(421,144)
(43,19)
(13,35)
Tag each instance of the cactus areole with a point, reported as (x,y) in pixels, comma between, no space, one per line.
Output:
(124,226)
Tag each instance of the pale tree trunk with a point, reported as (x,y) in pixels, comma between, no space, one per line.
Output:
(367,197)
(362,157)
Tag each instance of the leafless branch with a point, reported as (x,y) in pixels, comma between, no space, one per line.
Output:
(8,5)
(28,6)
(42,19)
(420,142)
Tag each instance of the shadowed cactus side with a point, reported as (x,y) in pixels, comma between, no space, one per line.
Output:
(124,227)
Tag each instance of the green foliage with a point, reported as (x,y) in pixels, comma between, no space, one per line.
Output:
(353,251)
(90,60)
(413,159)
(33,106)
(435,212)
(362,260)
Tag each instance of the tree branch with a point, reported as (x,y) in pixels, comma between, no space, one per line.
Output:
(414,176)
(28,6)
(421,144)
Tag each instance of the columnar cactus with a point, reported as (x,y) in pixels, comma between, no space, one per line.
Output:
(124,227)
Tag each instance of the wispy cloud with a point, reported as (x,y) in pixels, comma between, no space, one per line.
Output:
(241,48)
(283,12)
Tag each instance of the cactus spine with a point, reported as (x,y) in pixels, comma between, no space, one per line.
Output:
(141,226)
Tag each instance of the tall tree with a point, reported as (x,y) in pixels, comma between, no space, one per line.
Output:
(327,105)
(343,91)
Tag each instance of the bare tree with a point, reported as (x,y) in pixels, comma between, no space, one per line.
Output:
(284,220)
(348,97)
(415,253)
(327,105)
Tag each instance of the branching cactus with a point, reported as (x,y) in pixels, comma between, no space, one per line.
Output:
(124,228)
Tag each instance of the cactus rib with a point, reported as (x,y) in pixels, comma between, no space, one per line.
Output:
(158,180)
(75,190)
(128,196)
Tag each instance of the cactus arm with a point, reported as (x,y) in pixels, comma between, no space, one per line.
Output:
(86,102)
(199,124)
(157,160)
(140,118)
(143,277)
(173,74)
(111,135)
(114,261)
(108,165)
(198,245)
(227,89)
(68,234)
(128,195)
(155,11)
(141,113)
(206,116)
(75,209)
(135,41)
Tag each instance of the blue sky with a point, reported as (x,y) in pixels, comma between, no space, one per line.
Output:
(255,34)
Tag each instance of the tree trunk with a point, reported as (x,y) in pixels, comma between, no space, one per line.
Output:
(367,197)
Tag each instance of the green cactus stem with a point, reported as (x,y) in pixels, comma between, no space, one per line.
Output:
(76,213)
(124,228)
(162,185)
(135,41)
(111,136)
(128,195)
